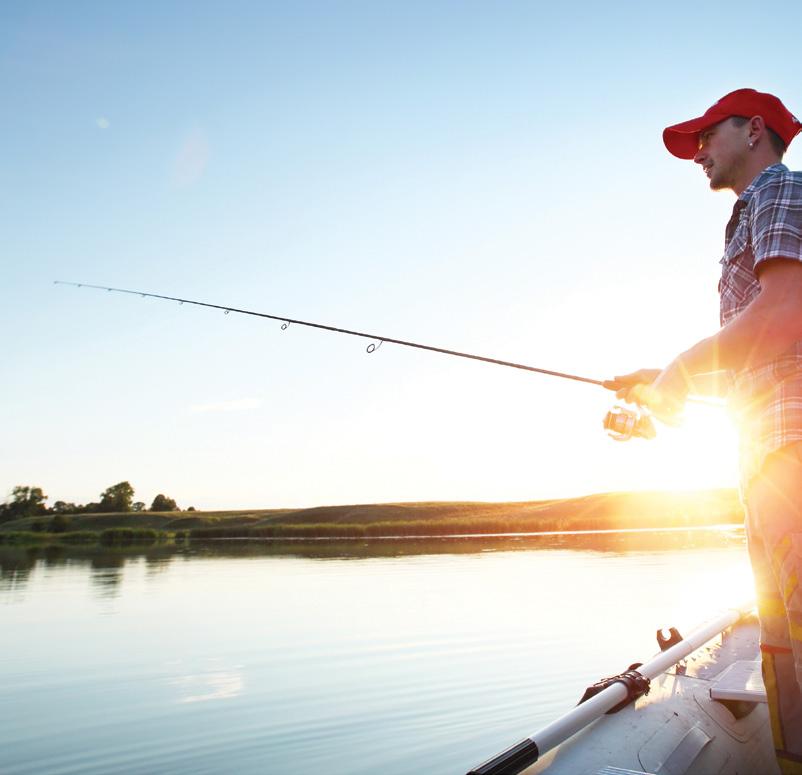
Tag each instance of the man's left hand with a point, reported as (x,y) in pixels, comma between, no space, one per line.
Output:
(666,396)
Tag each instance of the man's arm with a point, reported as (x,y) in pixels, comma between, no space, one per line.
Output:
(714,384)
(766,328)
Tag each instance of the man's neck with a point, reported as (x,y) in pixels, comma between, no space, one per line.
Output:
(754,166)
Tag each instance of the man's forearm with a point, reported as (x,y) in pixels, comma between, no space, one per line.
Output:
(712,384)
(759,334)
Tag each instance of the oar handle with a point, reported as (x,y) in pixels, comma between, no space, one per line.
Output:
(510,762)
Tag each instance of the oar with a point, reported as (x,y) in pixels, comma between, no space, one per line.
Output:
(519,756)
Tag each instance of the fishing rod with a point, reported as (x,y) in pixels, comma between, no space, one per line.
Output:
(286,322)
(622,423)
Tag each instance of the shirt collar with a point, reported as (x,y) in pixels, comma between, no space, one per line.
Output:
(761,177)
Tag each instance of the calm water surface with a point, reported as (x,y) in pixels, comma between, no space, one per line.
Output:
(321,657)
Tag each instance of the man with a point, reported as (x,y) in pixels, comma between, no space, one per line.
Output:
(756,359)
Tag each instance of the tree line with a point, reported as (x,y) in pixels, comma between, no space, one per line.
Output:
(27,501)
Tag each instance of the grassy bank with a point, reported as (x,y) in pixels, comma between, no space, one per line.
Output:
(605,511)
(116,536)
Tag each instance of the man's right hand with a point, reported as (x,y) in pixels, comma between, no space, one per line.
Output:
(624,384)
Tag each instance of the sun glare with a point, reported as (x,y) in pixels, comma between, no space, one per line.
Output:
(709,450)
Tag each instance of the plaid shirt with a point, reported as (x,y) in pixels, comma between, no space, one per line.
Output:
(766,223)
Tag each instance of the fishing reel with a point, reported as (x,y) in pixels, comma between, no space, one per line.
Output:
(623,424)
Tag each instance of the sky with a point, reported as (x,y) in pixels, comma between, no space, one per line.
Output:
(485,177)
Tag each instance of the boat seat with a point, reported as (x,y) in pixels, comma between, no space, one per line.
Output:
(741,681)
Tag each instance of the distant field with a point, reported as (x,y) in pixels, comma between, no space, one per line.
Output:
(605,511)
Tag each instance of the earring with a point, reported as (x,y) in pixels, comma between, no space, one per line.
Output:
(751,145)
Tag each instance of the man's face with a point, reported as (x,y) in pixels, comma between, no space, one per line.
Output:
(723,150)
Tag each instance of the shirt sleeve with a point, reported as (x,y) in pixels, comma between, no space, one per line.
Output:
(776,220)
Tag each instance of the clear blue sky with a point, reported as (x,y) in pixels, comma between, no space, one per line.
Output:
(479,176)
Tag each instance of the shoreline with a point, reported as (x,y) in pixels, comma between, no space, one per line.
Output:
(604,512)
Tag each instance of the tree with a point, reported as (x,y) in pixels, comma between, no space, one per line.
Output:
(118,497)
(25,502)
(60,507)
(163,503)
(137,506)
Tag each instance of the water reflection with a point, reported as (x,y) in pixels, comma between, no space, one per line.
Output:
(156,564)
(613,542)
(207,682)
(15,567)
(107,573)
(107,564)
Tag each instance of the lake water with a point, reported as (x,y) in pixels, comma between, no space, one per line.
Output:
(319,657)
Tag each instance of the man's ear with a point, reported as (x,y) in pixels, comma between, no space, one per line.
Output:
(757,128)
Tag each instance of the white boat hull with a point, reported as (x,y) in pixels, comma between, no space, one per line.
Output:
(678,728)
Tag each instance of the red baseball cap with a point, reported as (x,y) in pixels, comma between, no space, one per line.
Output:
(683,139)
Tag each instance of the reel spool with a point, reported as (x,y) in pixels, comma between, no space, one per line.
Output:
(623,424)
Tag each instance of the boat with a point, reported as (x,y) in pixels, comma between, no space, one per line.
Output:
(698,707)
